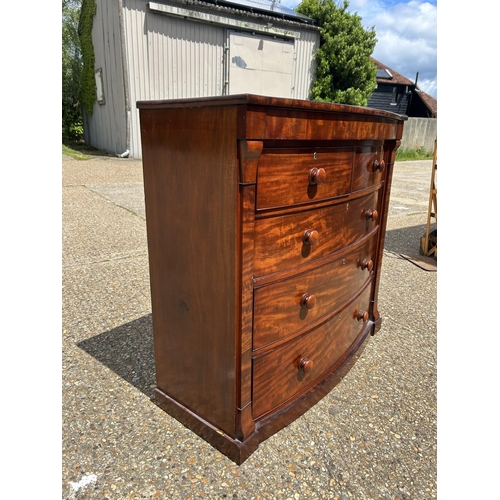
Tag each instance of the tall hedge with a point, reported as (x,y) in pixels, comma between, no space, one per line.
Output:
(345,74)
(88,90)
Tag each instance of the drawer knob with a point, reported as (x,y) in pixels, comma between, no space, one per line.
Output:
(371,214)
(367,264)
(317,176)
(360,315)
(305,364)
(308,301)
(310,237)
(378,165)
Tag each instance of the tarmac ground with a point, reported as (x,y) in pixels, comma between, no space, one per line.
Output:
(372,437)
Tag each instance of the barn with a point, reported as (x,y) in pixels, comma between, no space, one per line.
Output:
(168,49)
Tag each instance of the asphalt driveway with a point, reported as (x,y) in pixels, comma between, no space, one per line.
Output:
(372,437)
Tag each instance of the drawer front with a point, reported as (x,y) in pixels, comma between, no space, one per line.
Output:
(369,167)
(285,372)
(283,308)
(287,241)
(292,177)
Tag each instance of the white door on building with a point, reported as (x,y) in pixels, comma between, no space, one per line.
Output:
(260,65)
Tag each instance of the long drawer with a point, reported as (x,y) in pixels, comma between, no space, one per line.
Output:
(285,307)
(292,177)
(283,242)
(295,366)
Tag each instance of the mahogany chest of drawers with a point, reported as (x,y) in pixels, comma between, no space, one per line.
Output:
(266,222)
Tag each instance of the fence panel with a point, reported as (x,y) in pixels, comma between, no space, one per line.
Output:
(419,132)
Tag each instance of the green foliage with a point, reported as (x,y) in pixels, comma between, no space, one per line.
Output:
(72,153)
(403,154)
(72,121)
(345,74)
(88,91)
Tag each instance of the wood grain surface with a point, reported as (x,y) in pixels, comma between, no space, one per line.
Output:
(266,223)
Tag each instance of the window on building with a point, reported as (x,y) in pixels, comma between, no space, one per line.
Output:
(394,99)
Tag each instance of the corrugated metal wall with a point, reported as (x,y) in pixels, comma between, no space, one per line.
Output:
(106,128)
(185,58)
(167,57)
(170,58)
(305,64)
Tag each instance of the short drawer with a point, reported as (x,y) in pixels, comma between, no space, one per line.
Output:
(286,241)
(285,307)
(282,374)
(292,177)
(369,167)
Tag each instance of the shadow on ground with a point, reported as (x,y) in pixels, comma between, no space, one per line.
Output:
(128,351)
(405,240)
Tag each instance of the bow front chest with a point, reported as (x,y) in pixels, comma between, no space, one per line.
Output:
(266,222)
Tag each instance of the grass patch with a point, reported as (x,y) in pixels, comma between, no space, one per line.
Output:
(81,151)
(76,155)
(406,154)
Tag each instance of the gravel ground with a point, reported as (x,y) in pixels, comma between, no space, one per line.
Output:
(372,437)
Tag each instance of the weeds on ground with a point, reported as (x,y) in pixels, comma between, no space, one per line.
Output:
(404,154)
(76,155)
(78,150)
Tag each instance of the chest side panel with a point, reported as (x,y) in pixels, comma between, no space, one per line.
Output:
(190,180)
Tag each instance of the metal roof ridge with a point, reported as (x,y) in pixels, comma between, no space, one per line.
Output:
(236,7)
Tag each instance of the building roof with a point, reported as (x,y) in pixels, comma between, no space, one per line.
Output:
(262,11)
(270,7)
(390,75)
(430,102)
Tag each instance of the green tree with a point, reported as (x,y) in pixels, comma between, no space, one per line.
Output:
(72,121)
(345,74)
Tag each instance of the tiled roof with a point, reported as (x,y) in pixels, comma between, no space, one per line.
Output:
(428,100)
(396,77)
(431,103)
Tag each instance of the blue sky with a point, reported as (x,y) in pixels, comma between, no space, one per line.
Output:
(406,34)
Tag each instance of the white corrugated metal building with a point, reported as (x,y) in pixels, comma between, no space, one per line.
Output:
(169,49)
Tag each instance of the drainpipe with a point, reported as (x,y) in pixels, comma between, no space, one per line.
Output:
(126,153)
(225,69)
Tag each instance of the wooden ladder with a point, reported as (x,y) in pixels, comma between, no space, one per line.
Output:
(428,242)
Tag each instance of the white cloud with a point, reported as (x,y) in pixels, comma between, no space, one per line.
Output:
(406,34)
(428,86)
(413,20)
(407,38)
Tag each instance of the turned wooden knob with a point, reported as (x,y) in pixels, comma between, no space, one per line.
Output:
(305,364)
(362,315)
(317,176)
(308,301)
(367,264)
(378,165)
(310,237)
(371,214)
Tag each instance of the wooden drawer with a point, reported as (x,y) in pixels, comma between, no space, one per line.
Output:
(291,177)
(283,308)
(369,167)
(287,241)
(278,376)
